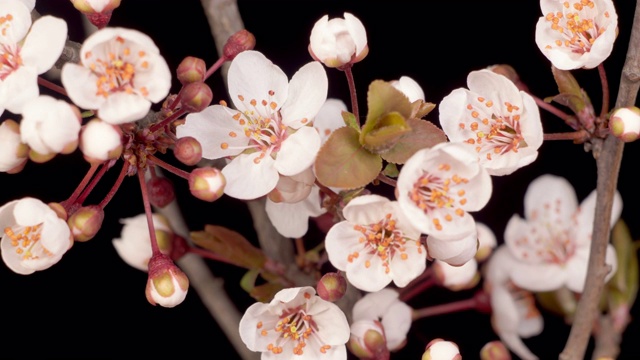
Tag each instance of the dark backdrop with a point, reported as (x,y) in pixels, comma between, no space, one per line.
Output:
(92,304)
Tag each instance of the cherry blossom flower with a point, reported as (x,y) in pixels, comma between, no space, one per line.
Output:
(514,314)
(13,152)
(27,50)
(375,244)
(296,324)
(268,135)
(552,242)
(34,236)
(122,73)
(494,118)
(134,246)
(338,42)
(576,34)
(438,186)
(292,219)
(409,87)
(50,126)
(394,315)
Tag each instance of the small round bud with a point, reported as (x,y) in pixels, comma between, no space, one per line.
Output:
(196,96)
(207,183)
(100,141)
(188,150)
(439,349)
(495,350)
(160,191)
(13,152)
(367,340)
(332,287)
(240,41)
(86,222)
(624,123)
(167,285)
(456,278)
(191,69)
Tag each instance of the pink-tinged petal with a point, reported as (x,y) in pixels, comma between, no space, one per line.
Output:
(212,128)
(553,193)
(367,273)
(20,87)
(121,108)
(29,3)
(576,267)
(357,31)
(341,241)
(452,113)
(10,258)
(80,83)
(365,209)
(248,327)
(55,235)
(29,211)
(586,214)
(519,237)
(406,269)
(333,326)
(292,220)
(453,252)
(44,43)
(494,87)
(94,43)
(307,93)
(293,296)
(531,129)
(329,118)
(298,151)
(156,79)
(505,320)
(539,277)
(20,23)
(409,87)
(249,177)
(374,305)
(254,77)
(396,322)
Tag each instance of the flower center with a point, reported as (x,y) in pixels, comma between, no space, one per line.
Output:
(494,133)
(26,240)
(577,25)
(117,71)
(436,194)
(10,59)
(295,326)
(262,126)
(382,239)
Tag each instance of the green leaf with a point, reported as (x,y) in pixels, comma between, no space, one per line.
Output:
(624,283)
(569,89)
(391,170)
(342,162)
(383,99)
(424,134)
(230,245)
(248,281)
(351,121)
(388,129)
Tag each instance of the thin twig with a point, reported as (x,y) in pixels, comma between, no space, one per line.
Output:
(608,159)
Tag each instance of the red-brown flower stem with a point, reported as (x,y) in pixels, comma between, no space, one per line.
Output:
(462,305)
(51,86)
(116,185)
(550,108)
(176,100)
(170,168)
(81,185)
(387,180)
(580,136)
(87,190)
(352,91)
(155,249)
(214,67)
(209,255)
(409,293)
(605,91)
(300,250)
(167,121)
(334,197)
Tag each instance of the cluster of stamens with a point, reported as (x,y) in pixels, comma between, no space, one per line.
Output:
(265,133)
(494,133)
(382,239)
(576,25)
(117,72)
(9,54)
(24,239)
(435,193)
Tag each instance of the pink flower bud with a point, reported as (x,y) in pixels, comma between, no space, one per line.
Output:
(196,96)
(207,183)
(368,341)
(495,350)
(188,150)
(624,123)
(240,41)
(439,349)
(167,285)
(86,222)
(191,69)
(160,191)
(97,12)
(332,287)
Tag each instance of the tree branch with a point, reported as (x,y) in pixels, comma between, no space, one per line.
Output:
(608,158)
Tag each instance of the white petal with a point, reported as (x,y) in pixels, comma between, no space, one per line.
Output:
(298,151)
(211,127)
(367,278)
(80,83)
(454,252)
(539,277)
(307,93)
(397,322)
(374,305)
(357,32)
(550,190)
(156,79)
(121,108)
(248,180)
(44,43)
(20,87)
(340,242)
(19,25)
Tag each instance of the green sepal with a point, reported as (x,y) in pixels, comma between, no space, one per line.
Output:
(351,121)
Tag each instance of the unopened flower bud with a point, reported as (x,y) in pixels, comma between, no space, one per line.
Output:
(191,69)
(439,349)
(207,183)
(368,341)
(456,278)
(495,350)
(98,12)
(40,158)
(240,41)
(332,287)
(196,96)
(167,285)
(13,152)
(624,123)
(86,222)
(188,150)
(160,191)
(100,141)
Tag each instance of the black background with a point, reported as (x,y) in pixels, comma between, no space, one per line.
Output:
(92,304)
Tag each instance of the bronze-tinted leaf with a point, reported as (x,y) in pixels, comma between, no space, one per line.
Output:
(424,134)
(230,245)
